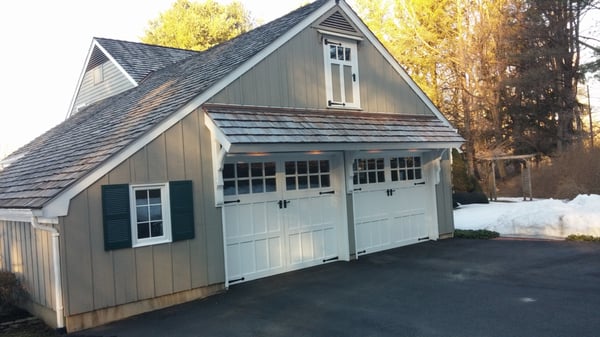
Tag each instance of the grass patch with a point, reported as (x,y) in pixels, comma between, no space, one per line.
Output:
(587,238)
(482,234)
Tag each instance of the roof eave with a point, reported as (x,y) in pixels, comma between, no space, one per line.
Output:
(354,146)
(59,205)
(25,215)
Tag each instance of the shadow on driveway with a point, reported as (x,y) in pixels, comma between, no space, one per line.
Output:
(446,288)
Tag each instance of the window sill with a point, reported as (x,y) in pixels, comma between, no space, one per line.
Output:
(151,242)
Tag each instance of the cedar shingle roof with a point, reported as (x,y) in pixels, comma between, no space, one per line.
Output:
(264,125)
(67,152)
(139,59)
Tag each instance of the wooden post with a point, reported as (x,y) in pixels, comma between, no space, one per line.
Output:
(529,189)
(526,180)
(493,195)
(590,112)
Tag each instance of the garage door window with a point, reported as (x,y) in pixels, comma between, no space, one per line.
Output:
(406,168)
(249,178)
(307,174)
(369,171)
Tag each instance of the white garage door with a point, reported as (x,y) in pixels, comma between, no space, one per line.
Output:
(280,215)
(389,202)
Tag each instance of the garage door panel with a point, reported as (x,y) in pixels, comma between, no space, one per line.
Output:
(248,258)
(276,252)
(389,209)
(370,232)
(290,228)
(234,261)
(329,237)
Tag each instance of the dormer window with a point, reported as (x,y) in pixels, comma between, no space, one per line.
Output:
(341,73)
(98,74)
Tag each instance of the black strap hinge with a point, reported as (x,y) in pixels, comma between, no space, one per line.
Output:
(236,280)
(332,103)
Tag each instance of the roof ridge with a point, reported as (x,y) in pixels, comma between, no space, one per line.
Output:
(145,44)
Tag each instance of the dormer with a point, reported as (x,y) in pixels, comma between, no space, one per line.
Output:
(114,66)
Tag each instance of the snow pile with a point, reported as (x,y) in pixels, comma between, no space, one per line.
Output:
(546,218)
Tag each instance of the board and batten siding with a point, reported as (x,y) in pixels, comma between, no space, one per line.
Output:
(114,83)
(27,253)
(96,279)
(293,76)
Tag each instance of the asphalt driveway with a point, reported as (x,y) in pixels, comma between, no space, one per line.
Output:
(446,288)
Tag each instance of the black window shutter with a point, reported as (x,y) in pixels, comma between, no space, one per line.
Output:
(116,216)
(182,210)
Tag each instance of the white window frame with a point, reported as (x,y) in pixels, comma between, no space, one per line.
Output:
(98,74)
(352,45)
(166,215)
(387,171)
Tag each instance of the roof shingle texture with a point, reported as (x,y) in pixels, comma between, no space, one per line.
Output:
(139,60)
(67,152)
(262,125)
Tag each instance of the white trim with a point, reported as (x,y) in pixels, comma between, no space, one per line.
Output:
(166,215)
(217,133)
(58,296)
(306,147)
(341,80)
(345,36)
(383,51)
(219,153)
(112,59)
(59,206)
(24,215)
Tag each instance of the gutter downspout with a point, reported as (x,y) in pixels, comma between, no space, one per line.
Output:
(60,320)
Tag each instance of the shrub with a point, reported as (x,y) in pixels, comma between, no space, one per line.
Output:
(465,198)
(589,238)
(11,291)
(566,175)
(461,180)
(483,234)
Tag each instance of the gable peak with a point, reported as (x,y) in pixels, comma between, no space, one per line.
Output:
(338,22)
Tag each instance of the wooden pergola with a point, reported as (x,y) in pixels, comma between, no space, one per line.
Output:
(525,174)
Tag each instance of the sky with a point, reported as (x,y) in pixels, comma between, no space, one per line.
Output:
(540,218)
(45,44)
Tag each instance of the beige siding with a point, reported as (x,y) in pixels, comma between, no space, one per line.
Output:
(114,83)
(28,253)
(97,279)
(293,76)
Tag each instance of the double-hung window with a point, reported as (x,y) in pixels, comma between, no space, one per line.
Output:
(141,215)
(341,73)
(150,219)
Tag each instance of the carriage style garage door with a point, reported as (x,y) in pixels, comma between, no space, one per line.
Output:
(390,193)
(281,214)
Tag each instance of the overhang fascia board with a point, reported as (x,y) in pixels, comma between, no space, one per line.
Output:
(59,205)
(25,215)
(312,147)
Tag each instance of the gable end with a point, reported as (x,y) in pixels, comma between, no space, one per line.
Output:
(338,22)
(97,58)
